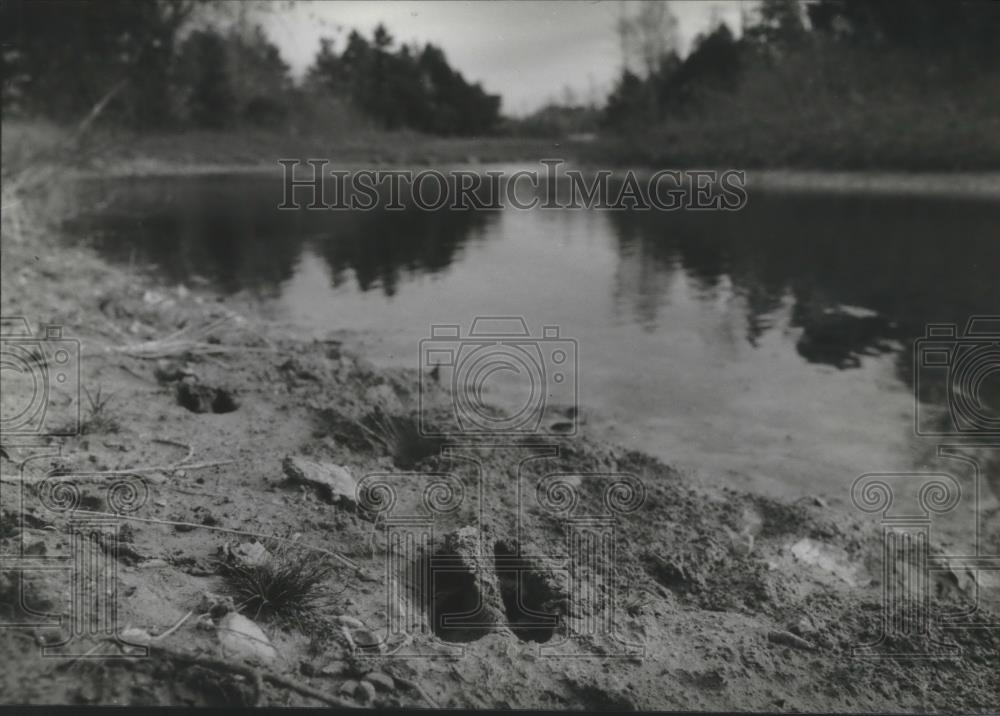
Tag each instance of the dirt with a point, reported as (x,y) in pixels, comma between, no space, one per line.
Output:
(690,596)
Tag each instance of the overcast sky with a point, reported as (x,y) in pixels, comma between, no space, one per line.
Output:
(528,52)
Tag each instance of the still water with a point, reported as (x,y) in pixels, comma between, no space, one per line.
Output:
(770,348)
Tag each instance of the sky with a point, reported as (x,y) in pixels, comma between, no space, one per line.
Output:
(526,51)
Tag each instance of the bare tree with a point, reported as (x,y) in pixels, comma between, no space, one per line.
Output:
(647,34)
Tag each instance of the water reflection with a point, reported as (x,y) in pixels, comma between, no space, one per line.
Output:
(228,231)
(866,274)
(777,337)
(380,248)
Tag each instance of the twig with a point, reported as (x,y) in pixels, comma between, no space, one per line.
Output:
(98,108)
(244,533)
(175,627)
(257,676)
(154,350)
(175,443)
(203,465)
(99,475)
(415,687)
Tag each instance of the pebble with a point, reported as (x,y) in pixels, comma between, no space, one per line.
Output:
(336,667)
(250,554)
(348,687)
(366,640)
(350,621)
(134,635)
(365,692)
(241,637)
(216,605)
(154,563)
(382,682)
(335,482)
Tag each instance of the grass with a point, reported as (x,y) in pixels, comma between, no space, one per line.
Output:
(288,583)
(99,418)
(401,438)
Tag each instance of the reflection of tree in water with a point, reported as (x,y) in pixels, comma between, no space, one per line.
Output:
(222,229)
(380,245)
(229,230)
(905,261)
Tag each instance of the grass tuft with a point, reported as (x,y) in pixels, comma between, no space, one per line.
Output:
(287,583)
(99,418)
(401,438)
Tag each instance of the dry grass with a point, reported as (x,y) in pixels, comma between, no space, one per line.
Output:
(99,416)
(289,583)
(401,438)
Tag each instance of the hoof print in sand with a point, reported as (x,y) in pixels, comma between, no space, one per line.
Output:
(200,398)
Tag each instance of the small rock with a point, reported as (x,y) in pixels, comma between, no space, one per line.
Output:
(249,554)
(216,605)
(827,557)
(350,621)
(153,298)
(348,687)
(365,692)
(802,627)
(335,482)
(168,371)
(382,682)
(366,639)
(134,635)
(337,667)
(294,369)
(241,637)
(155,563)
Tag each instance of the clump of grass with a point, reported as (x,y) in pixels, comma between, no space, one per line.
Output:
(400,437)
(99,418)
(288,583)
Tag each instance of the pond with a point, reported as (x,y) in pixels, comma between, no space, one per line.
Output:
(769,348)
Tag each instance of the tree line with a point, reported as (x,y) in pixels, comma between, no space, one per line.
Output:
(926,41)
(182,63)
(826,83)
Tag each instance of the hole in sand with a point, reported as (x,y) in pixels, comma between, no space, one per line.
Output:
(455,606)
(527,598)
(204,399)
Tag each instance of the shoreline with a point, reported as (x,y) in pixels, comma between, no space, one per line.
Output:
(959,184)
(696,563)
